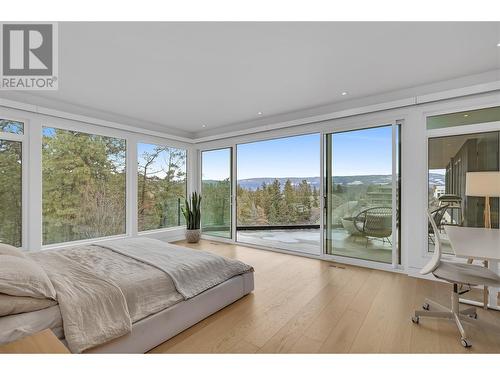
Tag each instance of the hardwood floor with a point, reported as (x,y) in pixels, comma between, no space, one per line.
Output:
(303,305)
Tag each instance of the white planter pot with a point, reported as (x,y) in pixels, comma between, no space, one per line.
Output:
(193,235)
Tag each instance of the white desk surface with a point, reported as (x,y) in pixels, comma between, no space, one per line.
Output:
(477,243)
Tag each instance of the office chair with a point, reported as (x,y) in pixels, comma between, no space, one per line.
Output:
(457,274)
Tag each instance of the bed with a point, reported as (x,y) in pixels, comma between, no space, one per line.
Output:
(128,296)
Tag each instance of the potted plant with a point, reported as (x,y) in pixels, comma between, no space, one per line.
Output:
(192,214)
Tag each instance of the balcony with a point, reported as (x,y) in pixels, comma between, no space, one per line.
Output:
(306,239)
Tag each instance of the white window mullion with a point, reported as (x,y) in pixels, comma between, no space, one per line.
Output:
(234,190)
(33,185)
(322,207)
(131,192)
(394,195)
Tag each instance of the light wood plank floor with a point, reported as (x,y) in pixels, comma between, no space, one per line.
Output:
(303,305)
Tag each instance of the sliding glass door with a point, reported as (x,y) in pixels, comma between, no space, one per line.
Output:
(278,193)
(216,192)
(362,194)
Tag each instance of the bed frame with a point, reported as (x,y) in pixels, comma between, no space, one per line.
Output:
(158,328)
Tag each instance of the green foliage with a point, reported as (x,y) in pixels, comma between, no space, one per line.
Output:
(10,192)
(192,211)
(83,186)
(272,205)
(216,206)
(161,187)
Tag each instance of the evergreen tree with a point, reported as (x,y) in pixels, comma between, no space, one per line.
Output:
(315,197)
(10,191)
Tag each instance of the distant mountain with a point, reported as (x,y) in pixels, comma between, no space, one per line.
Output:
(436,179)
(255,183)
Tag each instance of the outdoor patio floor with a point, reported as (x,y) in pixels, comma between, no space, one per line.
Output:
(308,241)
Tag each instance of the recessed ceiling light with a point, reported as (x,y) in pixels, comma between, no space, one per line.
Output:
(203,126)
(260,113)
(498,44)
(466,115)
(344,93)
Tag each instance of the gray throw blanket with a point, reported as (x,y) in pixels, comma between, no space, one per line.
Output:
(192,271)
(94,310)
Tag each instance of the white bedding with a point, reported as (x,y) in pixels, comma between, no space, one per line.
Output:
(192,271)
(101,292)
(147,290)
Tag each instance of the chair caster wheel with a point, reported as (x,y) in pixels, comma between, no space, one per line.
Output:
(473,316)
(426,306)
(415,319)
(465,343)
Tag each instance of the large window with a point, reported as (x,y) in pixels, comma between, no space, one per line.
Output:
(11,183)
(83,177)
(452,152)
(216,192)
(161,186)
(362,190)
(450,158)
(278,202)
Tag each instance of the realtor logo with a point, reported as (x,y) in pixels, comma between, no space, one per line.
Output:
(29,56)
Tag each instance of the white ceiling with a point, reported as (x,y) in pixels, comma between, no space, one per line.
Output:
(175,77)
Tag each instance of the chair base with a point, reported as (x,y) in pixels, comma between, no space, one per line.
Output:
(433,309)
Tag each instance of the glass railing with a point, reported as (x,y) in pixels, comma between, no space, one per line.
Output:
(216,216)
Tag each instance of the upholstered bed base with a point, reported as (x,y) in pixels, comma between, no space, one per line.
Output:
(158,328)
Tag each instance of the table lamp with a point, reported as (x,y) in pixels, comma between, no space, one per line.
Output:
(483,184)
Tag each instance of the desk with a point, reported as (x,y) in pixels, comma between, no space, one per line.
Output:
(477,243)
(41,342)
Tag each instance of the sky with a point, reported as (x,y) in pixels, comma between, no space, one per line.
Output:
(360,152)
(216,164)
(363,152)
(159,165)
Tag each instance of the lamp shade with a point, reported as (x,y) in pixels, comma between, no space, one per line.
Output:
(482,184)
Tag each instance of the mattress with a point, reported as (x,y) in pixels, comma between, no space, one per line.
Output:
(14,327)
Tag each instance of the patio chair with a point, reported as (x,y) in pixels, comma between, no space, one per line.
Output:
(375,222)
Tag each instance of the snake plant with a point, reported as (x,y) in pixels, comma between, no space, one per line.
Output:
(192,212)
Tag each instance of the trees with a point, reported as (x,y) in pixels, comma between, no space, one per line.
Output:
(271,204)
(84,186)
(315,197)
(10,192)
(161,186)
(83,190)
(216,205)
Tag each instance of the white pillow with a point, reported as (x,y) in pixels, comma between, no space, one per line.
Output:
(10,305)
(10,250)
(23,277)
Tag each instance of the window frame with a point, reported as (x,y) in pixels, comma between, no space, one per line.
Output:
(88,132)
(480,128)
(135,185)
(232,197)
(22,138)
(320,135)
(132,139)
